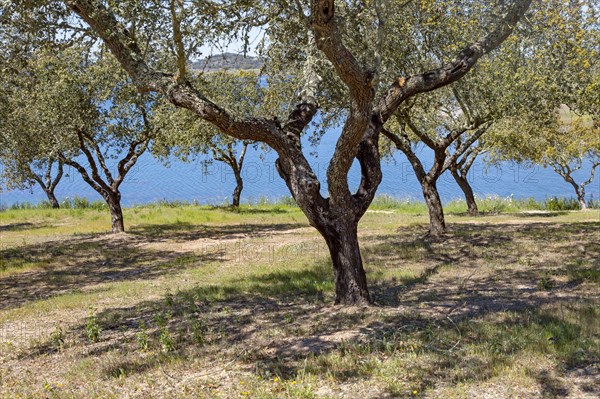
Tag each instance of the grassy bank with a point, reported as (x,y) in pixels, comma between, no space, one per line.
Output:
(489,204)
(204,302)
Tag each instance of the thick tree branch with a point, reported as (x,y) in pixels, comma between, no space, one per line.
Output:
(126,50)
(329,41)
(85,176)
(403,144)
(92,162)
(464,146)
(359,82)
(405,87)
(592,174)
(100,158)
(346,150)
(370,166)
(59,174)
(178,41)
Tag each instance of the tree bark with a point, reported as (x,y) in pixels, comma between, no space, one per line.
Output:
(581,198)
(437,225)
(47,183)
(464,185)
(52,198)
(349,273)
(237,192)
(336,218)
(566,172)
(116,213)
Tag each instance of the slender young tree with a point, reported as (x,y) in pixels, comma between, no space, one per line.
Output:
(564,73)
(228,156)
(566,170)
(450,122)
(567,146)
(441,141)
(460,170)
(24,164)
(108,186)
(122,133)
(77,109)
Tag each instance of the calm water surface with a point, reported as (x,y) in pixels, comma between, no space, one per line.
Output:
(150,180)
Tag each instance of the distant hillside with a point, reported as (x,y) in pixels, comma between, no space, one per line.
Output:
(227,61)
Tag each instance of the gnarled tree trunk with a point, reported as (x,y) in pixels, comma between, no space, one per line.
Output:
(52,198)
(581,198)
(116,213)
(237,192)
(437,224)
(467,190)
(336,218)
(350,277)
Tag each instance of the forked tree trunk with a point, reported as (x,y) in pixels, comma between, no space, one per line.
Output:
(581,198)
(437,225)
(464,185)
(116,213)
(579,190)
(350,278)
(47,183)
(52,198)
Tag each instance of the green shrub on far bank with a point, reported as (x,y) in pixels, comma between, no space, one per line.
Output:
(82,203)
(568,204)
(488,204)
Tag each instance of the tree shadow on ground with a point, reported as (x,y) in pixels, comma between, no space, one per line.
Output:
(84,261)
(272,322)
(250,210)
(537,214)
(551,386)
(180,232)
(476,249)
(521,214)
(22,226)
(81,263)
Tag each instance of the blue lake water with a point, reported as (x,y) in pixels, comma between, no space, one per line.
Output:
(150,180)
